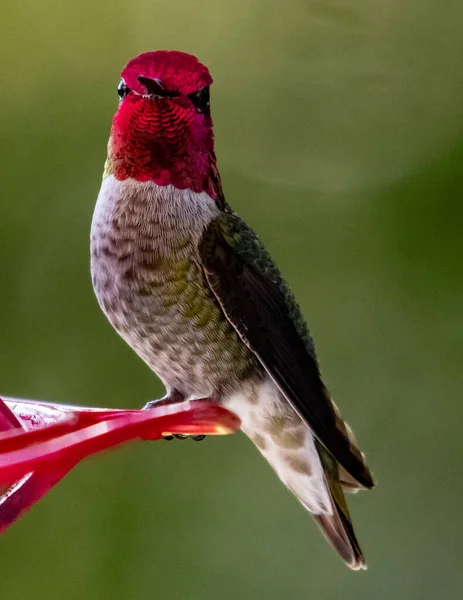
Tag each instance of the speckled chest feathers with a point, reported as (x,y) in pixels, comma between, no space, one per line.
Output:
(149,282)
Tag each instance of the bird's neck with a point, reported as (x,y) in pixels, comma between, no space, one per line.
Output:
(187,170)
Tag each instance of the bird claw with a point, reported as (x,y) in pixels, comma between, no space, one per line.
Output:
(182,436)
(172,398)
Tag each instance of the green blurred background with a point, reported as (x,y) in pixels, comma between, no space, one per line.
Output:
(339,131)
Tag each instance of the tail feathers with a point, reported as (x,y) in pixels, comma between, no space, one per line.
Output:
(339,532)
(337,527)
(349,484)
(312,475)
(304,465)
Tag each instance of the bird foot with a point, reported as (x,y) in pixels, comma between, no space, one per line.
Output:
(172,398)
(183,436)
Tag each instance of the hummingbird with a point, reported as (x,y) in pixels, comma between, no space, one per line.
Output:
(191,288)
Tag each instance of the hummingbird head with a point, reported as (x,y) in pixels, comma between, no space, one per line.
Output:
(162,130)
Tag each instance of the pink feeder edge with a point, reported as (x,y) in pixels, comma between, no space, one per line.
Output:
(40,442)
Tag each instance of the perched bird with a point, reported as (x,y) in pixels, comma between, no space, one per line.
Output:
(190,287)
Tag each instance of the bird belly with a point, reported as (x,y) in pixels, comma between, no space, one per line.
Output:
(149,283)
(171,320)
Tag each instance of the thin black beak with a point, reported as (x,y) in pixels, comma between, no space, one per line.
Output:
(154,86)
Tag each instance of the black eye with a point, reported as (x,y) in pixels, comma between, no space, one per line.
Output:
(201,99)
(122,90)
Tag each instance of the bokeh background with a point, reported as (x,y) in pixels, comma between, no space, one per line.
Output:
(339,129)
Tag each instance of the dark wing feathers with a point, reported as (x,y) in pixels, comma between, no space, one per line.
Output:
(256,301)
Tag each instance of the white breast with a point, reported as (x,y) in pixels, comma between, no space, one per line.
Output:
(150,210)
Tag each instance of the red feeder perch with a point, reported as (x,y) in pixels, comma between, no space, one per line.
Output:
(40,442)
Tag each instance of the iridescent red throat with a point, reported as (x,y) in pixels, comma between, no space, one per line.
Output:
(166,141)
